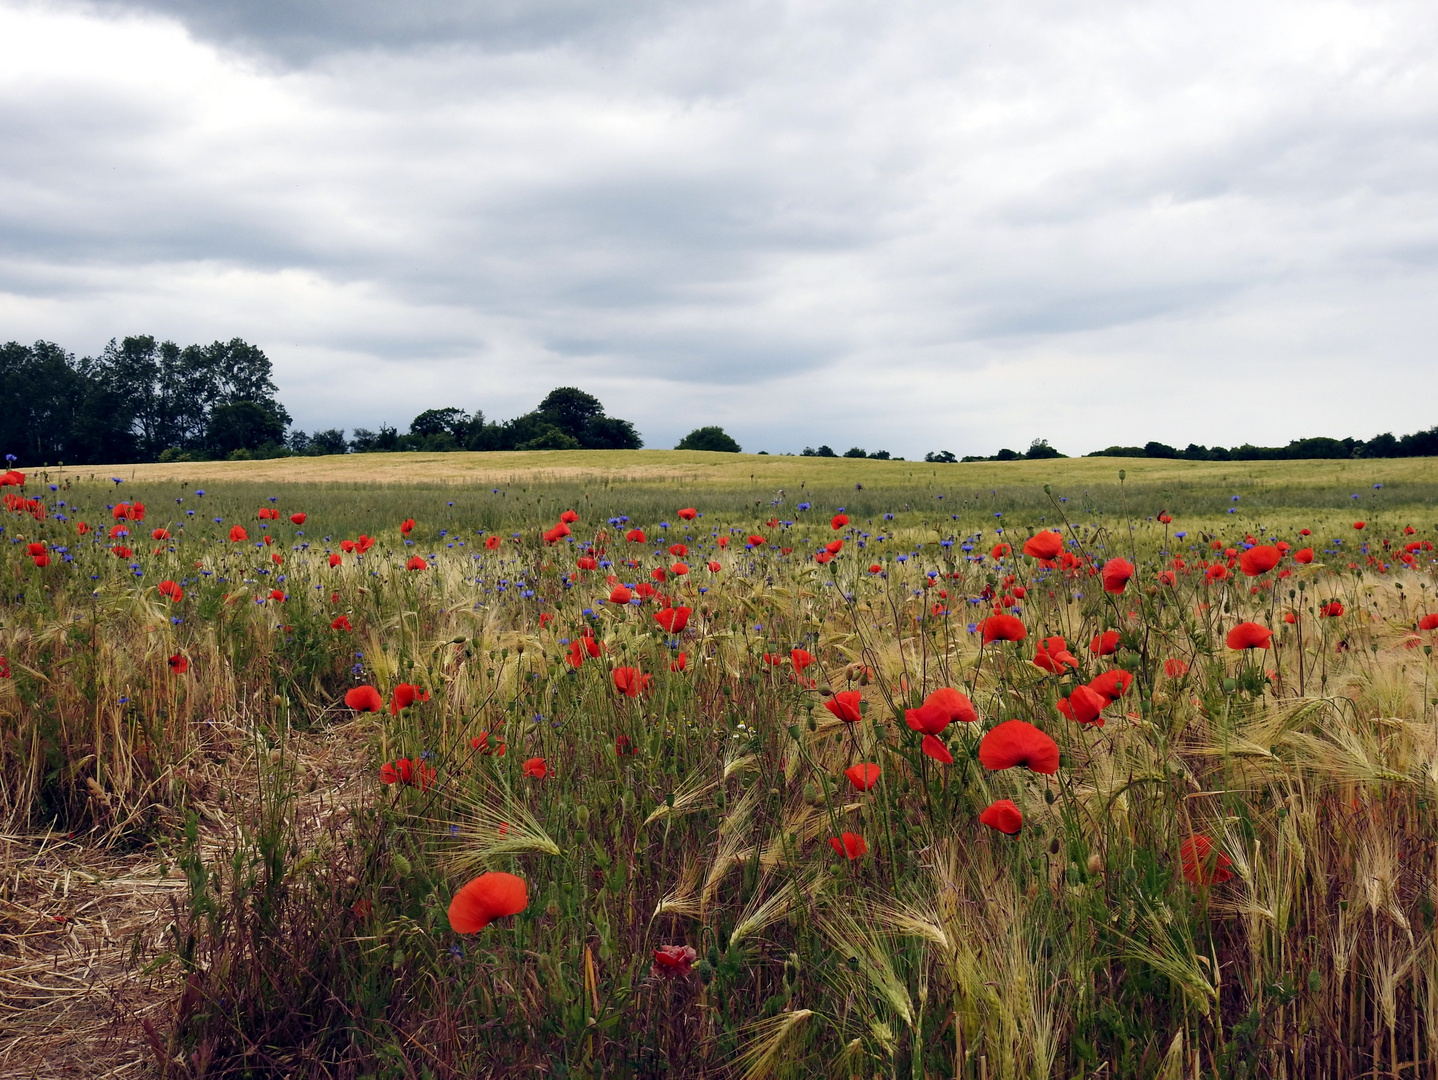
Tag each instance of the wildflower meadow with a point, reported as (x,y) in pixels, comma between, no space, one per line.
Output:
(809,769)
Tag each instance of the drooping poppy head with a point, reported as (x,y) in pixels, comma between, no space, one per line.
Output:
(863,776)
(688,514)
(536,767)
(364,699)
(1112,685)
(850,845)
(489,896)
(673,961)
(1003,628)
(1203,862)
(1017,742)
(838,521)
(1116,573)
(845,705)
(407,526)
(179,664)
(1249,635)
(1045,545)
(933,747)
(1105,644)
(1259,560)
(1004,816)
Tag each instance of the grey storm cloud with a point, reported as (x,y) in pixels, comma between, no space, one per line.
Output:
(914,226)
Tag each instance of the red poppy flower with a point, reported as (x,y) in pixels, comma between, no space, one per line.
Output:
(1428,622)
(1249,635)
(1359,524)
(756,540)
(488,743)
(120,551)
(238,534)
(1203,862)
(160,534)
(488,897)
(1216,572)
(416,562)
(833,547)
(121,512)
(342,623)
(1112,685)
(875,568)
(620,595)
(491,543)
(405,695)
(1259,560)
(179,664)
(364,543)
(576,654)
(1331,610)
(863,776)
(845,705)
(591,646)
(364,699)
(1016,742)
(679,569)
(1003,816)
(278,596)
(407,526)
(631,682)
(335,559)
(172,589)
(998,551)
(11,478)
(42,561)
(4,667)
(1045,545)
(1083,706)
(1175,668)
(820,557)
(714,567)
(850,845)
(934,748)
(587,562)
(673,961)
(838,521)
(81,528)
(34,549)
(536,768)
(1105,644)
(801,659)
(569,517)
(1053,656)
(1003,628)
(347,546)
(1116,573)
(679,663)
(635,536)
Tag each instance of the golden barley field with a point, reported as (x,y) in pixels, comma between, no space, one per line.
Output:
(661,764)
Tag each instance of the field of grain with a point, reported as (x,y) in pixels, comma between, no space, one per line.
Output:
(800,783)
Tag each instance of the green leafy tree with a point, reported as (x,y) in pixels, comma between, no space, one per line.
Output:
(711,438)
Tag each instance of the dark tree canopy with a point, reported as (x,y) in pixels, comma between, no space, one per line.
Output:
(711,438)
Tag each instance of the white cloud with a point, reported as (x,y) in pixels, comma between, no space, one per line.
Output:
(916,226)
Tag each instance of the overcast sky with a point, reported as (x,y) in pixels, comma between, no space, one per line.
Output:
(905,225)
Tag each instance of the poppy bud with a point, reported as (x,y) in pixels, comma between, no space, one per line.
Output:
(581,815)
(1049,796)
(1054,846)
(401,865)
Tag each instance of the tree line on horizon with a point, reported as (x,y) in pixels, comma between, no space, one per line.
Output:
(147,400)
